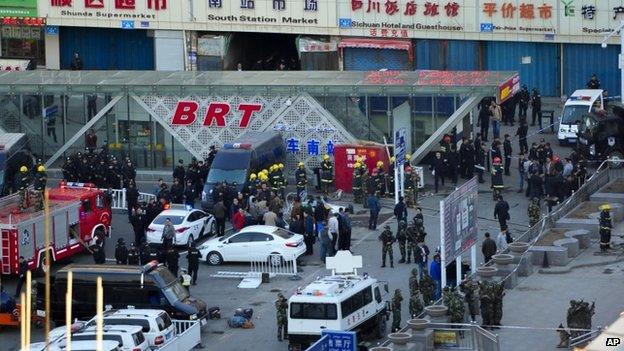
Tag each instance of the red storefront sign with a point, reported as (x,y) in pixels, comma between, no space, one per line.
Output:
(345,156)
(186,113)
(508,88)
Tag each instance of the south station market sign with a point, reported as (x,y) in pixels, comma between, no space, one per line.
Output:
(578,21)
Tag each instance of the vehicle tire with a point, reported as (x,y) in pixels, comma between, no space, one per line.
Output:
(616,155)
(214,258)
(275,259)
(380,329)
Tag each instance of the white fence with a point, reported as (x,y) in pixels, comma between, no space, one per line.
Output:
(119,198)
(188,335)
(274,265)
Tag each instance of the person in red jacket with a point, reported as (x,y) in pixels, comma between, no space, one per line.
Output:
(239,219)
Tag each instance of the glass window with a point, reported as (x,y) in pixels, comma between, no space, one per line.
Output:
(283,233)
(572,113)
(138,338)
(163,321)
(175,220)
(313,311)
(377,295)
(86,205)
(262,237)
(241,238)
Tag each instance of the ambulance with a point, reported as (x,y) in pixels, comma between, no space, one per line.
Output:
(580,104)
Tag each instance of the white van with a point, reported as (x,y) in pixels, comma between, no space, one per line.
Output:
(578,105)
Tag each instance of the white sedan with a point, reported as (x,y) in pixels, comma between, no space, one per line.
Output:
(189,225)
(254,243)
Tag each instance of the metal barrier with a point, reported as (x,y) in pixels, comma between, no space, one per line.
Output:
(274,265)
(460,336)
(187,336)
(585,338)
(119,198)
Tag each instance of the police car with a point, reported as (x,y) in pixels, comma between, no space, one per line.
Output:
(190,224)
(581,103)
(342,301)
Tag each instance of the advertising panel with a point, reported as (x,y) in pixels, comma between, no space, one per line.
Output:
(459,220)
(18,8)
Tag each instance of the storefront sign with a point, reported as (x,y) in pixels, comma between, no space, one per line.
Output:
(23,21)
(509,88)
(13,65)
(29,33)
(18,8)
(124,10)
(311,45)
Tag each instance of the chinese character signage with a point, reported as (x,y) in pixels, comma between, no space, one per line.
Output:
(18,8)
(113,13)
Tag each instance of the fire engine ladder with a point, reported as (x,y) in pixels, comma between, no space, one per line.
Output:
(5,247)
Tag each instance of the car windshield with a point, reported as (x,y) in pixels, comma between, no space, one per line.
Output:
(587,125)
(283,233)
(175,220)
(230,175)
(573,113)
(174,291)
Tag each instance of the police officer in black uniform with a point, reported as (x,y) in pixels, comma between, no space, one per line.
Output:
(177,192)
(99,256)
(172,260)
(193,256)
(121,252)
(179,172)
(133,255)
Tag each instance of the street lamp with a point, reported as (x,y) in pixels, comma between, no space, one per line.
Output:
(620,57)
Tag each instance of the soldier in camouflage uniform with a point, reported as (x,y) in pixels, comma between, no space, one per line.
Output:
(534,211)
(396,310)
(486,300)
(408,184)
(455,305)
(427,288)
(365,181)
(281,305)
(470,288)
(413,282)
(356,185)
(416,306)
(387,239)
(497,306)
(579,316)
(402,239)
(412,241)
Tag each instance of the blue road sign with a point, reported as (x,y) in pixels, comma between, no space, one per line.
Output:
(345,23)
(52,30)
(340,340)
(400,149)
(319,345)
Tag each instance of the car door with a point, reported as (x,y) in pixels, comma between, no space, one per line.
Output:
(237,247)
(263,246)
(195,222)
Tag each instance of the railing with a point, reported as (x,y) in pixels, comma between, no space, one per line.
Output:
(119,198)
(461,336)
(187,336)
(585,338)
(274,265)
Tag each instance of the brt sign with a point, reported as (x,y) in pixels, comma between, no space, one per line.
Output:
(186,113)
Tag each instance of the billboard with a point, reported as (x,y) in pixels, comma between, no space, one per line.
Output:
(18,8)
(458,219)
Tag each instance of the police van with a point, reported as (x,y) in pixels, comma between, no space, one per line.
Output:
(581,103)
(342,301)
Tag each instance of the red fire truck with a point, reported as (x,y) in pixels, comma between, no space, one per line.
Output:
(78,213)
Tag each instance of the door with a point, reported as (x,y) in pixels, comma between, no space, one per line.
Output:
(237,247)
(263,245)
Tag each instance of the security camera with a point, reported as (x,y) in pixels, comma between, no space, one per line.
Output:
(604,45)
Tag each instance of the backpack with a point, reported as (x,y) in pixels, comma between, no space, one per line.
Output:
(236,321)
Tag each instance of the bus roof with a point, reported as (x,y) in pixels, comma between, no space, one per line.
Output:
(585,97)
(333,288)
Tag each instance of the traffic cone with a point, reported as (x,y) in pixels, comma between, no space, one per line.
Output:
(545,262)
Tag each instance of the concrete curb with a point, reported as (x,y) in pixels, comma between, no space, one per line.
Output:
(564,270)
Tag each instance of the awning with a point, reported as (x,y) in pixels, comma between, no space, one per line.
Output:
(372,43)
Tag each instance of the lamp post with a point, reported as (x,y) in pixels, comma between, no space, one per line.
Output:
(620,57)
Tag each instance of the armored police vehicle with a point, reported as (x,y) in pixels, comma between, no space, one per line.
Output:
(601,136)
(342,301)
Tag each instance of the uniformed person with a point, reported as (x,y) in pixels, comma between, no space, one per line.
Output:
(193,256)
(396,310)
(380,179)
(390,177)
(402,239)
(534,211)
(408,184)
(121,252)
(68,170)
(413,281)
(387,239)
(412,242)
(172,257)
(327,173)
(252,185)
(282,181)
(497,178)
(605,227)
(416,305)
(356,184)
(23,182)
(301,178)
(153,254)
(133,255)
(40,184)
(185,279)
(99,256)
(365,183)
(281,306)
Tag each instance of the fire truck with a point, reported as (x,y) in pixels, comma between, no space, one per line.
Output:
(78,213)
